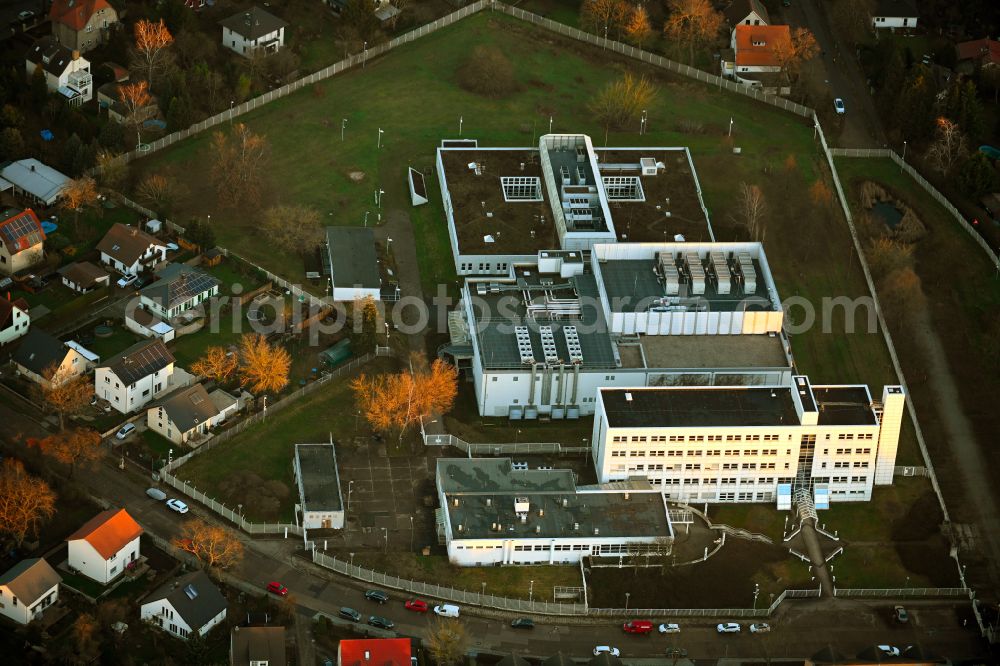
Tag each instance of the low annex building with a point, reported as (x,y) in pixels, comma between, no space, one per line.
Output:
(745,443)
(105,545)
(35,180)
(321,500)
(352,263)
(147,324)
(187,605)
(83,276)
(493,514)
(27,589)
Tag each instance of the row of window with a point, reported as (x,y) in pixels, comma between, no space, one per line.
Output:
(675,453)
(731,438)
(847,465)
(484,267)
(844,452)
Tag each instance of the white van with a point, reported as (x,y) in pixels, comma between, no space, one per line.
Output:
(446,610)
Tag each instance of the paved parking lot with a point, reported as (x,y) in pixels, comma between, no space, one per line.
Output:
(386,497)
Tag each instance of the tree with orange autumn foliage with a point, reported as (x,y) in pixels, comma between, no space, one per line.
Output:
(77,195)
(393,403)
(215,546)
(692,22)
(151,42)
(25,501)
(71,447)
(820,193)
(604,17)
(135,98)
(217,364)
(795,49)
(263,366)
(64,396)
(638,30)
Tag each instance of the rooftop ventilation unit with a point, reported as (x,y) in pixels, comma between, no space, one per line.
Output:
(581,176)
(524,344)
(521,505)
(573,344)
(697,273)
(548,344)
(581,154)
(721,268)
(564,174)
(648,166)
(748,271)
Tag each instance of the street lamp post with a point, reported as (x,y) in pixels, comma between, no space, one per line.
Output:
(904,156)
(756,591)
(550,124)
(231,103)
(627,595)
(350,488)
(460,119)
(380,133)
(531,589)
(730,126)
(378,198)
(364,57)
(343,126)
(482,594)
(170,457)
(411,533)
(642,127)
(386,334)
(385,533)
(366,218)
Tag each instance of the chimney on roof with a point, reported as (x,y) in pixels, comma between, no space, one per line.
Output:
(32,167)
(368,655)
(76,55)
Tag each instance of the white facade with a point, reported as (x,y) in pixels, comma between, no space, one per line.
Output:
(73,364)
(162,613)
(746,463)
(74,81)
(17,325)
(14,609)
(84,558)
(887,22)
(127,398)
(159,422)
(154,252)
(156,308)
(237,43)
(148,327)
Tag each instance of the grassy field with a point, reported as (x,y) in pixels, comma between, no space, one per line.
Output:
(758,518)
(962,292)
(266,449)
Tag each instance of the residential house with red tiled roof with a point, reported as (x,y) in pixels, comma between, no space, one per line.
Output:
(754,58)
(745,12)
(22,241)
(14,320)
(982,52)
(81,25)
(105,545)
(374,652)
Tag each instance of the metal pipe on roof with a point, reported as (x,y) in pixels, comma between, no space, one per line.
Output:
(531,388)
(562,383)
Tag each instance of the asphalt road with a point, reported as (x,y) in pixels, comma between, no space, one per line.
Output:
(838,65)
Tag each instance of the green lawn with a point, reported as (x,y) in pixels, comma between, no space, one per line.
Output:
(74,310)
(118,341)
(758,518)
(266,449)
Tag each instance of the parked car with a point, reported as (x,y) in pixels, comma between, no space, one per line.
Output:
(447,610)
(638,627)
(728,628)
(177,505)
(523,623)
(156,494)
(378,596)
(900,614)
(274,587)
(890,650)
(125,431)
(670,628)
(416,605)
(760,628)
(606,649)
(838,106)
(127,280)
(350,614)
(380,622)
(173,247)
(25,15)
(677,653)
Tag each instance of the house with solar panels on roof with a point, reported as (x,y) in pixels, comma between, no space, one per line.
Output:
(133,378)
(177,289)
(189,605)
(22,240)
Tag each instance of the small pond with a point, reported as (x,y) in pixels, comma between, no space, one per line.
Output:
(888,213)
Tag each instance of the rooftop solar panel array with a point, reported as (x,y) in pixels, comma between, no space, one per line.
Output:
(22,230)
(140,360)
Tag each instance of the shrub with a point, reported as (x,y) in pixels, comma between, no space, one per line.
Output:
(487,72)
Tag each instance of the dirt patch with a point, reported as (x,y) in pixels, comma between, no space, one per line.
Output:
(725,580)
(356,176)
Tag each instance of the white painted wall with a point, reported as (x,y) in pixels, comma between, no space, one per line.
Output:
(138,266)
(245,47)
(883,22)
(14,608)
(89,562)
(348,294)
(128,398)
(19,323)
(163,615)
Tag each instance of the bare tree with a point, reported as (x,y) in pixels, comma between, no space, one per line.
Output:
(151,43)
(948,146)
(239,161)
(604,17)
(447,641)
(752,209)
(792,51)
(294,228)
(621,102)
(135,98)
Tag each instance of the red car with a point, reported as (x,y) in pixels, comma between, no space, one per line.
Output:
(638,627)
(277,588)
(416,605)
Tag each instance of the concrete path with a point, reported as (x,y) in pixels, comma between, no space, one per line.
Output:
(398,227)
(815,553)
